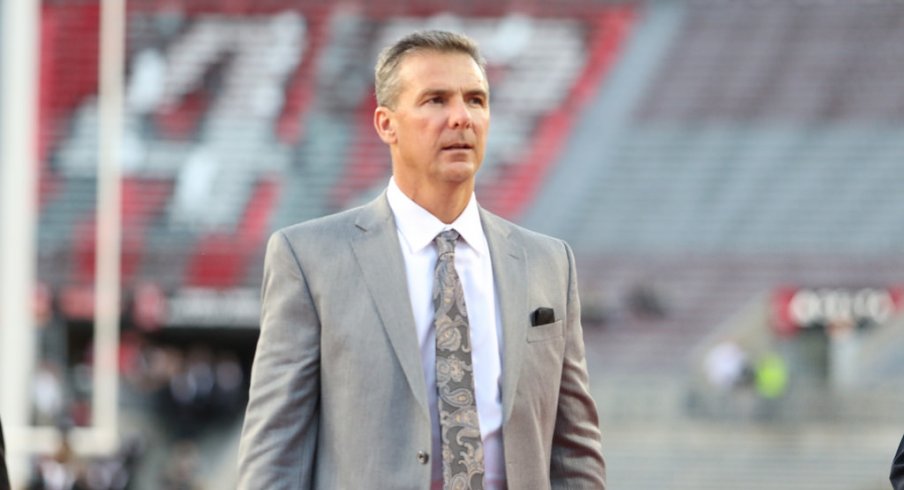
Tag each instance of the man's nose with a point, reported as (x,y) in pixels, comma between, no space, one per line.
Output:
(460,114)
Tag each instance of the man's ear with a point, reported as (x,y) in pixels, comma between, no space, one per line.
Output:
(385,125)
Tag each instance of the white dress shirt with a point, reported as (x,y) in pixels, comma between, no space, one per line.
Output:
(417,228)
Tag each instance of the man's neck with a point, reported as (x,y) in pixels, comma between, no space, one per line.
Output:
(446,202)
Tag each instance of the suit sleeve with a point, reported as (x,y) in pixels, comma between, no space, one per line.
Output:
(277,446)
(577,458)
(897,468)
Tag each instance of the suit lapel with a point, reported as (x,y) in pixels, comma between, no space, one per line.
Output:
(379,256)
(510,277)
(378,253)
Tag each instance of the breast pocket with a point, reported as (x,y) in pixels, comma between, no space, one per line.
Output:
(549,331)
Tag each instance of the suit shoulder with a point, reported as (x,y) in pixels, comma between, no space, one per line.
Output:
(323,224)
(339,226)
(524,235)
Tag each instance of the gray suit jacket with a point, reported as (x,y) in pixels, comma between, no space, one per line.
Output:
(338,398)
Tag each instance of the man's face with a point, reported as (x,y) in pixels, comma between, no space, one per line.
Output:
(440,120)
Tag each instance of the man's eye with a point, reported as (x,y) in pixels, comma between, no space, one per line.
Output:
(479,101)
(435,100)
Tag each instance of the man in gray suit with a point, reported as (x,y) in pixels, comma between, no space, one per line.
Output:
(419,341)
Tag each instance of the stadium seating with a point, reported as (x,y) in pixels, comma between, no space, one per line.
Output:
(732,149)
(240,124)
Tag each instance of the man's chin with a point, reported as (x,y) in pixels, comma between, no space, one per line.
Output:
(459,172)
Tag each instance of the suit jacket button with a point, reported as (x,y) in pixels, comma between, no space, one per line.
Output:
(423,457)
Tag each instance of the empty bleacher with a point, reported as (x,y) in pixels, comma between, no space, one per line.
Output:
(686,161)
(732,150)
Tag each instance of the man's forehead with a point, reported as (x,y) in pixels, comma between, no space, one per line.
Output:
(424,63)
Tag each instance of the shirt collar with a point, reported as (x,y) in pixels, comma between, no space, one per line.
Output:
(418,227)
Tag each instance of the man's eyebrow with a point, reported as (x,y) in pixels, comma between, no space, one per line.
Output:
(434,91)
(478,91)
(445,92)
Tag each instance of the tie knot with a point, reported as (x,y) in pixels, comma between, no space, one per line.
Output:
(445,242)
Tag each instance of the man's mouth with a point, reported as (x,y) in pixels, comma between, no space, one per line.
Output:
(458,146)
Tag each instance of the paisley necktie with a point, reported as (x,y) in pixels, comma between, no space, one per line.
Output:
(459,424)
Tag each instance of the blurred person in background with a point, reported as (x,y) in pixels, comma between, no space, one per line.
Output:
(48,394)
(361,379)
(181,472)
(4,475)
(60,471)
(897,468)
(229,382)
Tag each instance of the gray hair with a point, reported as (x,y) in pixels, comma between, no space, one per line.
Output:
(386,71)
